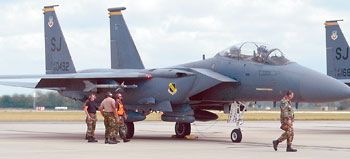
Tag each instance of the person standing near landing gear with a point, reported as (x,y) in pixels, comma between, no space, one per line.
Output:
(121,127)
(110,115)
(90,107)
(287,119)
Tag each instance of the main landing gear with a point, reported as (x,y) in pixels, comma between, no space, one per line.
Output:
(182,129)
(130,129)
(236,116)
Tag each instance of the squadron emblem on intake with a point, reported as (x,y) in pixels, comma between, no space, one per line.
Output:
(172,88)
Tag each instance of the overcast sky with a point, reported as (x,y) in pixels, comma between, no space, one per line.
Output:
(166,33)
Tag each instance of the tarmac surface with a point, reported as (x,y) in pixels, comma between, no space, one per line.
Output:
(313,139)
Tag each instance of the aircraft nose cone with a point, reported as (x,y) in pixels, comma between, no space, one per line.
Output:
(317,87)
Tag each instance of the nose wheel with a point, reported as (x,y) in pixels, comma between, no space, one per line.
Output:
(236,135)
(182,129)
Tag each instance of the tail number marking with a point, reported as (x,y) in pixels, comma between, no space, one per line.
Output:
(61,66)
(343,72)
(339,56)
(54,46)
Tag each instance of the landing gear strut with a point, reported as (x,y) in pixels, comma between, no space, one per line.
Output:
(129,130)
(182,129)
(236,116)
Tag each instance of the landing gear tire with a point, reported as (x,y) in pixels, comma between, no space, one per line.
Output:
(236,135)
(182,129)
(130,129)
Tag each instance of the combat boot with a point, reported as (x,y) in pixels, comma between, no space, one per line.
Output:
(112,141)
(126,140)
(275,144)
(290,149)
(92,139)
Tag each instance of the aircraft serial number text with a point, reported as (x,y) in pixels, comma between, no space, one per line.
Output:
(345,72)
(61,66)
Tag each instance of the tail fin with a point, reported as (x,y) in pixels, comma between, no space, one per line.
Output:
(57,56)
(338,58)
(124,54)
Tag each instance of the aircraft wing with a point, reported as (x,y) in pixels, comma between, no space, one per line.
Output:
(93,75)
(19,84)
(60,81)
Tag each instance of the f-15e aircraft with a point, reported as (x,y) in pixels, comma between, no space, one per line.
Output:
(185,93)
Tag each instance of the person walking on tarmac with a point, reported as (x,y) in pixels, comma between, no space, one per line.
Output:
(110,116)
(121,127)
(90,108)
(287,119)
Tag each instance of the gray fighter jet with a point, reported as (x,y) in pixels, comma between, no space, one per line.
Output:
(247,71)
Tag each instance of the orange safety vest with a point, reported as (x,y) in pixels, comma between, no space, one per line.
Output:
(121,110)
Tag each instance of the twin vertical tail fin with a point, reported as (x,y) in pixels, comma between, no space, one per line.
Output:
(338,58)
(124,54)
(57,56)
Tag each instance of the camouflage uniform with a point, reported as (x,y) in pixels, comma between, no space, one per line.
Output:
(110,124)
(121,127)
(91,125)
(287,113)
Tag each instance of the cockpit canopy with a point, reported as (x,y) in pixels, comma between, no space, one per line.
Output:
(253,51)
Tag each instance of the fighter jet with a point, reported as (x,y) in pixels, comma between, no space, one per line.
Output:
(185,93)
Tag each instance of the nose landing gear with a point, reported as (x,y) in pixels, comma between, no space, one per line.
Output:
(236,116)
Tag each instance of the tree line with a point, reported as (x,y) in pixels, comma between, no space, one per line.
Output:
(50,100)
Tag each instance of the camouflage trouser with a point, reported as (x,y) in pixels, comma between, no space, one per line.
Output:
(121,127)
(288,134)
(110,124)
(91,125)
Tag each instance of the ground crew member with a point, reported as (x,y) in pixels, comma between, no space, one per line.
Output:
(110,115)
(90,107)
(287,119)
(121,127)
